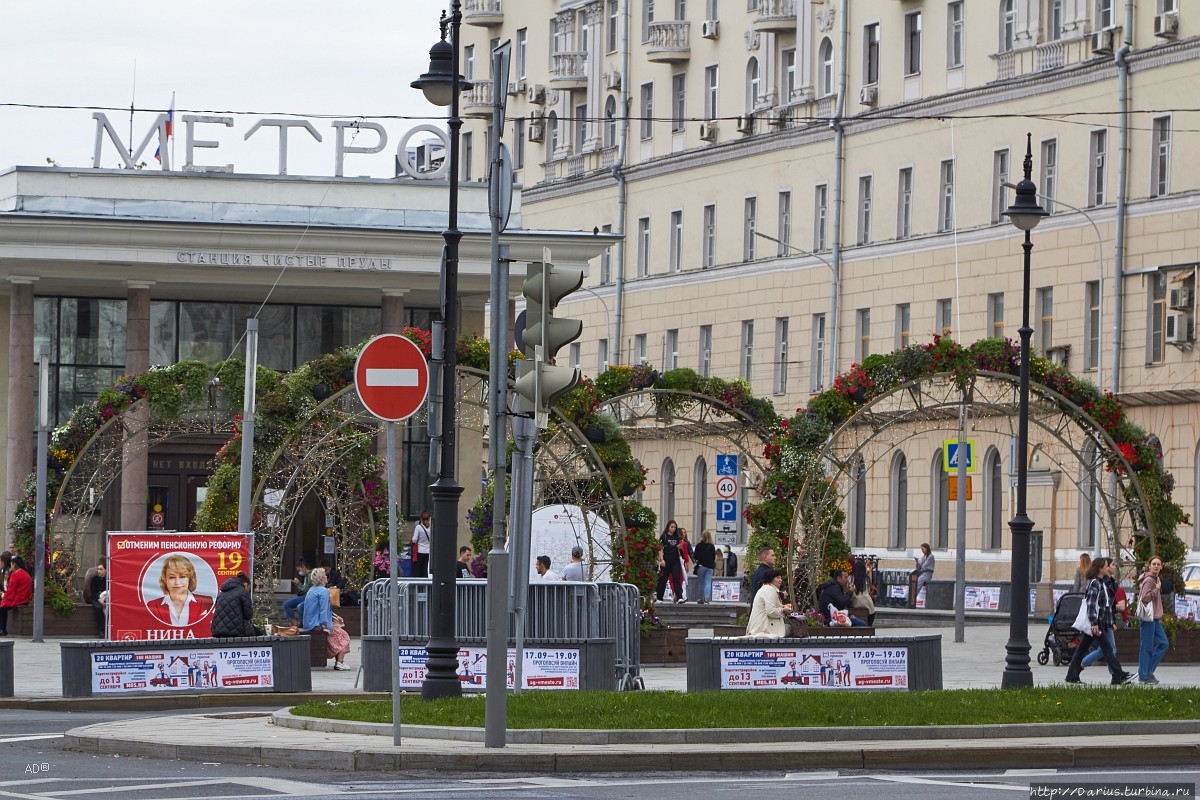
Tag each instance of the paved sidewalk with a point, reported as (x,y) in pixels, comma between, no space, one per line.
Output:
(266,737)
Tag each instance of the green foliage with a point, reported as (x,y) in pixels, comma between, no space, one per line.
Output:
(58,600)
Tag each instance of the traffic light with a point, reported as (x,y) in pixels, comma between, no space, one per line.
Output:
(545,335)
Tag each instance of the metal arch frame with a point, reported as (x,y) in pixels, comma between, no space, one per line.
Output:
(890,412)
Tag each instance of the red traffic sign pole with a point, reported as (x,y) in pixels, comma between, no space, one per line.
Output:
(391,377)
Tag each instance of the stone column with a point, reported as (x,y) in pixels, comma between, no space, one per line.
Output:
(21,387)
(136,451)
(393,312)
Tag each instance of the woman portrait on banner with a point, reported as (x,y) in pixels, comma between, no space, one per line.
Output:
(179,606)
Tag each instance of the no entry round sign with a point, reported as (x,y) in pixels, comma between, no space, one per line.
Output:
(391,377)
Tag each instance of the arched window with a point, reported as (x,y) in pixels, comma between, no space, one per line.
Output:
(753,84)
(700,496)
(610,122)
(667,509)
(898,503)
(551,134)
(856,518)
(993,500)
(1008,25)
(825,79)
(939,504)
(1088,498)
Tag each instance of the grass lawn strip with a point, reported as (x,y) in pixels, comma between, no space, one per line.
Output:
(787,709)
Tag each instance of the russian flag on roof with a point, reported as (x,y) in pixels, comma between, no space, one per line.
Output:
(170,126)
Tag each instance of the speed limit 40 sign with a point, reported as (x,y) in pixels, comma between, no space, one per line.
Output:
(726,486)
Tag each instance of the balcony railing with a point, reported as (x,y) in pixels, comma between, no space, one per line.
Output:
(477,101)
(568,70)
(485,13)
(669,41)
(1051,55)
(1006,65)
(775,15)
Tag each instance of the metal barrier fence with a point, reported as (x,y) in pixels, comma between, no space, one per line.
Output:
(558,610)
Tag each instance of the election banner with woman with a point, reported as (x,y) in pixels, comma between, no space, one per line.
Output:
(163,585)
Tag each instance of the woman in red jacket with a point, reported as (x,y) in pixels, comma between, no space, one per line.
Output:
(17,592)
(178,607)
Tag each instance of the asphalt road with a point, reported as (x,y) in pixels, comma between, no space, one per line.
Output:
(34,765)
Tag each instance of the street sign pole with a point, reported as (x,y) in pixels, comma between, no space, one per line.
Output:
(394,573)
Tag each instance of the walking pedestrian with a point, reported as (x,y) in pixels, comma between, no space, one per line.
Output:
(705,556)
(1095,617)
(1152,638)
(670,562)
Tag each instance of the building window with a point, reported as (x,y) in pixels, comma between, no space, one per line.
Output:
(912,43)
(467,155)
(863,325)
(995,315)
(712,9)
(602,355)
(946,206)
(904,189)
(643,254)
(680,9)
(1105,14)
(820,215)
(1045,311)
(647,18)
(667,474)
(712,105)
(581,120)
(939,501)
(993,500)
(610,121)
(705,364)
(789,75)
(871,53)
(903,325)
(551,135)
(999,178)
(647,111)
(779,381)
(1098,174)
(700,479)
(864,210)
(1092,323)
(954,35)
(815,380)
(606,258)
(857,501)
(1160,169)
(518,150)
(676,241)
(825,78)
(753,84)
(945,316)
(749,226)
(468,62)
(610,30)
(1157,326)
(639,349)
(784,224)
(522,49)
(1008,25)
(710,236)
(671,350)
(1054,20)
(898,503)
(678,102)
(747,361)
(1049,187)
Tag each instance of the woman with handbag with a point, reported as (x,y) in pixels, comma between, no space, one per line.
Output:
(1152,638)
(319,614)
(1095,617)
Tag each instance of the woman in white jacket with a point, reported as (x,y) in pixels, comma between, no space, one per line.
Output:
(766,615)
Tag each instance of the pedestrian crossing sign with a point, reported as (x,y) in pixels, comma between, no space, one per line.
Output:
(950,451)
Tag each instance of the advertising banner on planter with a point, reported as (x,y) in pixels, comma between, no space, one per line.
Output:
(543,668)
(814,668)
(208,668)
(986,598)
(163,585)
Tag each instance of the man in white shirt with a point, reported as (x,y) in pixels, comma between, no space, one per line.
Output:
(546,575)
(574,570)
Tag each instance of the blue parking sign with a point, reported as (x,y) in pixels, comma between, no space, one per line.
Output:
(727,464)
(726,510)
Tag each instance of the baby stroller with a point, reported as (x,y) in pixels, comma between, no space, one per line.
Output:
(1062,638)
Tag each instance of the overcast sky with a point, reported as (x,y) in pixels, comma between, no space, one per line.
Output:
(262,57)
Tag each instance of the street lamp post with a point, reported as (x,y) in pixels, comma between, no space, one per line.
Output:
(442,86)
(1025,214)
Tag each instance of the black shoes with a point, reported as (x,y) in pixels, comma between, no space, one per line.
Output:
(1069,679)
(1122,679)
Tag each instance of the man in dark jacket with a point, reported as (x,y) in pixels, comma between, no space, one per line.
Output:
(836,592)
(233,613)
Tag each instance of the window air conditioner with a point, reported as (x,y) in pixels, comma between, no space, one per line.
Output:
(536,94)
(708,131)
(1103,42)
(1166,26)
(780,117)
(515,88)
(869,95)
(745,124)
(1181,299)
(1178,327)
(537,128)
(612,80)
(709,29)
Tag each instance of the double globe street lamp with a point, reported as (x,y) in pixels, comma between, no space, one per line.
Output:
(1025,214)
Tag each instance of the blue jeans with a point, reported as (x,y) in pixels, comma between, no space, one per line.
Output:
(705,575)
(291,608)
(855,622)
(1096,654)
(1154,644)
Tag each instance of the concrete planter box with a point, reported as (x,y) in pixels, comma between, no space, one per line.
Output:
(666,646)
(6,669)
(79,624)
(1184,650)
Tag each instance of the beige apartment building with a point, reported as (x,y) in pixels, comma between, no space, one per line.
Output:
(870,140)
